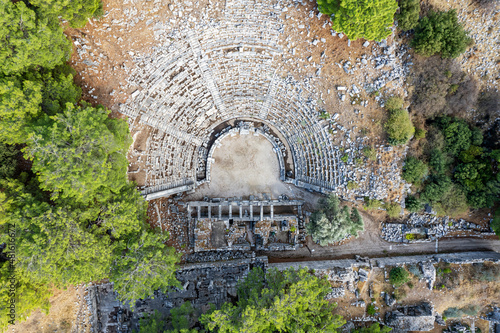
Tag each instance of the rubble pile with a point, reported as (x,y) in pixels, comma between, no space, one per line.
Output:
(427,227)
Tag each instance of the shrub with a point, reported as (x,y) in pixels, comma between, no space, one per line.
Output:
(438,161)
(393,209)
(8,160)
(398,276)
(453,89)
(490,273)
(409,11)
(414,170)
(373,203)
(436,189)
(399,294)
(368,19)
(393,103)
(344,158)
(456,133)
(370,309)
(413,204)
(410,236)
(441,33)
(370,153)
(420,133)
(399,127)
(331,223)
(452,203)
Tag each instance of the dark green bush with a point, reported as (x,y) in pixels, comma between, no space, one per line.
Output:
(436,189)
(438,161)
(414,170)
(413,204)
(409,11)
(457,134)
(8,160)
(440,32)
(453,203)
(420,133)
(398,276)
(370,309)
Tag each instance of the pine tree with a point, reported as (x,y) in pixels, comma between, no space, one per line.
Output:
(28,40)
(330,223)
(368,19)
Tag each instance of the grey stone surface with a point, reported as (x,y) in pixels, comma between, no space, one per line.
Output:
(412,318)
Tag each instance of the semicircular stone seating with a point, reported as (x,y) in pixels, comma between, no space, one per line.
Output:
(202,79)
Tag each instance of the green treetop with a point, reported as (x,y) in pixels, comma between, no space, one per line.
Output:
(368,19)
(80,154)
(28,40)
(409,11)
(288,301)
(440,32)
(75,11)
(331,223)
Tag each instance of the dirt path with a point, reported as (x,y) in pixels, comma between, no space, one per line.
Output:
(383,248)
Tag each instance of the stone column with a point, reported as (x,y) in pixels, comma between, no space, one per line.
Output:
(251,211)
(199,212)
(230,210)
(241,211)
(220,212)
(209,211)
(261,212)
(272,212)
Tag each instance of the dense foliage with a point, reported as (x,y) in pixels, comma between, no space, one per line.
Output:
(288,301)
(374,328)
(463,173)
(80,153)
(24,98)
(179,321)
(331,223)
(440,33)
(63,185)
(398,276)
(398,126)
(368,19)
(8,161)
(75,11)
(408,15)
(414,170)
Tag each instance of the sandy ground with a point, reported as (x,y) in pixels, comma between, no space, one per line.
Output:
(61,318)
(246,165)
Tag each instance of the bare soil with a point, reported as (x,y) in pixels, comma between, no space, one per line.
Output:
(61,318)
